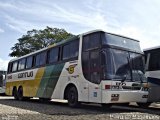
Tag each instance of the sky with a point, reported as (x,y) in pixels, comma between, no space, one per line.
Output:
(138,19)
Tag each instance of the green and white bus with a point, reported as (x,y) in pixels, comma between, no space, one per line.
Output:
(94,67)
(152,56)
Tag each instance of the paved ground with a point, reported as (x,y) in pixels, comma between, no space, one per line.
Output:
(11,109)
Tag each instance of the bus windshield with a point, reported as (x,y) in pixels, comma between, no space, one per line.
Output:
(119,41)
(122,65)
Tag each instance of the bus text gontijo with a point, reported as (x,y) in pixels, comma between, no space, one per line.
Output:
(95,67)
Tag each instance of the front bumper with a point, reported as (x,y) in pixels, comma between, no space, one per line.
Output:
(110,96)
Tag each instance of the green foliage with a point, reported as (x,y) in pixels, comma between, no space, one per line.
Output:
(38,39)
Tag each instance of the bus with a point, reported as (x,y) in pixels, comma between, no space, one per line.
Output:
(93,67)
(152,56)
(2,81)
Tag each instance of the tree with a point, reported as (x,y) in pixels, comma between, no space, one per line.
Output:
(38,39)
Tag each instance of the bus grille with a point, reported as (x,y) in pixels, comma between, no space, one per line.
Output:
(131,87)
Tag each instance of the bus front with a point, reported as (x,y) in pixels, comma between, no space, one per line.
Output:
(116,65)
(123,76)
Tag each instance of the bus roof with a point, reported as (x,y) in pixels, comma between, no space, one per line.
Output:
(100,30)
(67,40)
(151,48)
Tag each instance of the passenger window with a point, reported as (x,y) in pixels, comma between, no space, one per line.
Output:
(29,62)
(66,52)
(10,65)
(14,68)
(71,50)
(53,55)
(21,64)
(40,59)
(91,41)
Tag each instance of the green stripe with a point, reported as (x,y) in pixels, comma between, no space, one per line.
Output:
(49,80)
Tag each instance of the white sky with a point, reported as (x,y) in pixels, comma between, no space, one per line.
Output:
(138,19)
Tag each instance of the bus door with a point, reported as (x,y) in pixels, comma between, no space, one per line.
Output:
(95,86)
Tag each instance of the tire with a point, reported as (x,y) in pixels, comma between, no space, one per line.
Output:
(20,94)
(72,97)
(15,94)
(144,105)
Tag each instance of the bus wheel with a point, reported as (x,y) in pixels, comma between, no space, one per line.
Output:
(72,96)
(15,94)
(20,93)
(144,105)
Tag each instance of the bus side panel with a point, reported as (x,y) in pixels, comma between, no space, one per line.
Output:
(154,84)
(30,86)
(49,80)
(71,75)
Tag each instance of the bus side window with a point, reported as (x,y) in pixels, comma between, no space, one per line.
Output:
(91,41)
(40,59)
(14,68)
(21,64)
(66,52)
(70,50)
(29,61)
(53,55)
(10,67)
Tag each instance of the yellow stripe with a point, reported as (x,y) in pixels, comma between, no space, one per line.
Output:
(30,87)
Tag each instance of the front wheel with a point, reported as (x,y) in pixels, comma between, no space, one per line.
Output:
(72,96)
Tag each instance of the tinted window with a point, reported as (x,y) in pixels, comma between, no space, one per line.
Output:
(85,65)
(66,52)
(21,64)
(91,41)
(29,62)
(14,68)
(154,63)
(53,55)
(119,41)
(10,67)
(40,59)
(70,50)
(91,66)
(95,67)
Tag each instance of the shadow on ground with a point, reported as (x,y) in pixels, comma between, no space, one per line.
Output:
(56,108)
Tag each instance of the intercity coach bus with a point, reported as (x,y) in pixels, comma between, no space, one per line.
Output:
(94,67)
(152,56)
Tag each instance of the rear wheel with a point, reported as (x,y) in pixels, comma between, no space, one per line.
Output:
(15,94)
(72,96)
(20,93)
